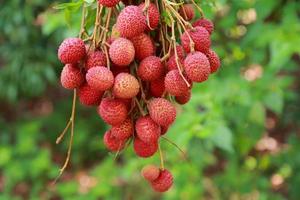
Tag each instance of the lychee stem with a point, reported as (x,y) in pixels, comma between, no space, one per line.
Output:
(82,27)
(198,8)
(139,107)
(162,166)
(176,146)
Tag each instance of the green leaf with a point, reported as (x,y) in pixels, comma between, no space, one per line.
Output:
(222,138)
(71,5)
(257,113)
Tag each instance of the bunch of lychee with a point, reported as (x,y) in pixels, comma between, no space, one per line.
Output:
(136,82)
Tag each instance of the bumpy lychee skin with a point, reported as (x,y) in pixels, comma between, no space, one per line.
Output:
(112,143)
(89,96)
(112,111)
(131,22)
(121,52)
(71,77)
(200,37)
(197,67)
(164,181)
(147,130)
(187,12)
(100,78)
(71,50)
(94,59)
(214,61)
(152,15)
(126,86)
(206,23)
(151,69)
(157,87)
(183,99)
(143,149)
(162,111)
(150,172)
(175,84)
(123,131)
(108,3)
(172,64)
(143,46)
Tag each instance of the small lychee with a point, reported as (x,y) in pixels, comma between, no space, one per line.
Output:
(71,76)
(121,52)
(108,3)
(187,11)
(214,61)
(150,69)
(89,96)
(126,86)
(143,46)
(112,143)
(94,59)
(123,131)
(150,172)
(162,111)
(71,50)
(147,130)
(164,181)
(100,78)
(175,84)
(152,15)
(143,149)
(206,23)
(157,87)
(183,99)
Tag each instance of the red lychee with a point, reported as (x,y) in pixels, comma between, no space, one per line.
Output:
(71,76)
(164,181)
(214,60)
(183,99)
(150,69)
(89,96)
(123,131)
(112,111)
(164,130)
(112,143)
(143,149)
(131,21)
(126,86)
(143,46)
(71,50)
(206,23)
(162,111)
(100,78)
(109,3)
(147,130)
(197,67)
(152,15)
(172,64)
(200,36)
(94,59)
(175,84)
(150,172)
(157,87)
(187,11)
(121,52)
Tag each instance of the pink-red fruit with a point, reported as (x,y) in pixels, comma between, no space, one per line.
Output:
(150,69)
(108,3)
(112,143)
(143,46)
(100,78)
(164,181)
(71,77)
(94,59)
(147,130)
(206,23)
(143,149)
(126,86)
(157,87)
(89,96)
(197,67)
(71,50)
(123,131)
(187,11)
(150,172)
(162,111)
(121,52)
(183,99)
(152,15)
(175,84)
(214,61)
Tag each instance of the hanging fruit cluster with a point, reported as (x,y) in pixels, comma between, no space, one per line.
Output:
(134,65)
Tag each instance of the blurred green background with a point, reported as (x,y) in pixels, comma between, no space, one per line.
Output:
(240,130)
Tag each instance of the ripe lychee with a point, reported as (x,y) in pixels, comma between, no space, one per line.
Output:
(71,50)
(162,111)
(150,172)
(100,78)
(164,181)
(157,87)
(131,22)
(112,143)
(183,99)
(172,64)
(94,59)
(197,67)
(112,111)
(187,11)
(89,96)
(143,149)
(123,131)
(126,86)
(121,52)
(71,76)
(143,46)
(200,36)
(108,3)
(147,130)
(164,130)
(150,69)
(175,84)
(214,60)
(206,23)
(152,15)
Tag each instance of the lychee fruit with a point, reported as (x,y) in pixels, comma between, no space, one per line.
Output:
(143,46)
(71,50)
(152,15)
(112,143)
(89,96)
(131,21)
(200,36)
(175,84)
(123,131)
(162,111)
(164,181)
(147,130)
(100,78)
(214,60)
(206,23)
(126,86)
(187,11)
(143,149)
(150,172)
(171,63)
(94,59)
(121,52)
(150,69)
(71,77)
(197,67)
(183,99)
(157,87)
(109,3)
(112,111)
(164,130)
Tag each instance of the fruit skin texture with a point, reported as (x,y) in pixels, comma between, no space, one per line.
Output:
(123,131)
(94,59)
(183,99)
(164,181)
(89,96)
(162,111)
(112,143)
(201,38)
(214,61)
(131,22)
(206,23)
(171,64)
(150,69)
(147,130)
(71,50)
(121,52)
(143,149)
(153,15)
(175,84)
(100,78)
(112,111)
(126,86)
(197,67)
(157,87)
(143,46)
(187,12)
(108,3)
(150,172)
(71,77)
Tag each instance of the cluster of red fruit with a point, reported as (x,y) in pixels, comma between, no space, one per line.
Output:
(131,84)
